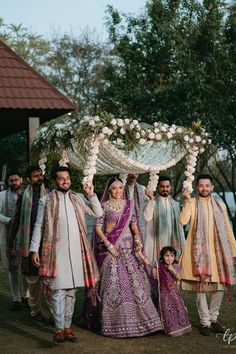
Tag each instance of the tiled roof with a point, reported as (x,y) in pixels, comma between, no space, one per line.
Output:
(24,93)
(21,87)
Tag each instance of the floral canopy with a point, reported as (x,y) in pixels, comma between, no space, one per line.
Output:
(108,145)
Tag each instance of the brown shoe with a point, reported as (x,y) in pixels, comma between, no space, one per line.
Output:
(59,336)
(70,336)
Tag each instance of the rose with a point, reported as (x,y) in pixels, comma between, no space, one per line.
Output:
(169,135)
(119,141)
(97,118)
(105,130)
(127,121)
(142,141)
(191,140)
(135,122)
(186,138)
(179,130)
(92,123)
(198,138)
(163,128)
(151,135)
(158,136)
(137,135)
(172,130)
(113,121)
(120,122)
(156,130)
(122,131)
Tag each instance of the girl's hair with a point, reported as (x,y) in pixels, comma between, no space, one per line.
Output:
(166,249)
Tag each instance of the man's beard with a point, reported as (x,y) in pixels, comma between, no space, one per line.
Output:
(204,196)
(14,188)
(164,194)
(63,190)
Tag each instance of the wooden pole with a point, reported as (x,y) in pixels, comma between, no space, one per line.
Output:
(33,125)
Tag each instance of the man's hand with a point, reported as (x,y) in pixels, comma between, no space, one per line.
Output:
(186,194)
(35,259)
(149,193)
(89,189)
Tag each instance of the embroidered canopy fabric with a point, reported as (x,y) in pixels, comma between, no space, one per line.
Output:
(108,145)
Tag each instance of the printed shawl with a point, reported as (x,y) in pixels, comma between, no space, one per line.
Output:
(200,245)
(48,265)
(176,239)
(25,218)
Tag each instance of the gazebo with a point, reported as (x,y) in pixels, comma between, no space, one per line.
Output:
(26,98)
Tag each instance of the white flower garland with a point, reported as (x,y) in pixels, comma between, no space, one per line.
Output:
(112,134)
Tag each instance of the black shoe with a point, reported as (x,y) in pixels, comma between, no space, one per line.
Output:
(25,302)
(205,330)
(16,306)
(217,327)
(38,317)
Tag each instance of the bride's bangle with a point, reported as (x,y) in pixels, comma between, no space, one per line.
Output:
(110,246)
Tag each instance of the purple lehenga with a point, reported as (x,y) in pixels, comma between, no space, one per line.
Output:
(126,307)
(172,309)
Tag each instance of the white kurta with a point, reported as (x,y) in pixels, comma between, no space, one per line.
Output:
(160,232)
(4,221)
(69,272)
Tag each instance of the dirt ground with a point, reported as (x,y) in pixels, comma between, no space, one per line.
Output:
(19,334)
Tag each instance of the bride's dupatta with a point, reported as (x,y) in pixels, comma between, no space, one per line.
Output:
(101,252)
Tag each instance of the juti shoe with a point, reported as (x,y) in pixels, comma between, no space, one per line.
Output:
(59,336)
(218,328)
(70,335)
(205,330)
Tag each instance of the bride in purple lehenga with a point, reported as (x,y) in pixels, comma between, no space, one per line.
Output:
(126,308)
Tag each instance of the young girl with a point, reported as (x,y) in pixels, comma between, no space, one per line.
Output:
(171,306)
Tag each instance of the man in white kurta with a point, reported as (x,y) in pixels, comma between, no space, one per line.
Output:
(8,200)
(163,227)
(69,266)
(211,284)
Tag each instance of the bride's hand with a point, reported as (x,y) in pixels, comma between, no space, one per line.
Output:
(138,245)
(114,251)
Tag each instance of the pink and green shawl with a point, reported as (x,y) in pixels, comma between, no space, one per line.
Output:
(48,265)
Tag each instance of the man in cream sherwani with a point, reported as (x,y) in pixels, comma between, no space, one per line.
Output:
(65,261)
(207,263)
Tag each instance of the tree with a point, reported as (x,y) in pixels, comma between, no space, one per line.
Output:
(75,67)
(174,63)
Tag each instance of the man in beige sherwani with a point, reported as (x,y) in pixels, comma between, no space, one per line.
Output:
(207,263)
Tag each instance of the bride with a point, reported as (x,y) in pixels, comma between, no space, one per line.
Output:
(126,307)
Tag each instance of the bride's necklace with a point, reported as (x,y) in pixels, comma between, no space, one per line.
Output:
(115,204)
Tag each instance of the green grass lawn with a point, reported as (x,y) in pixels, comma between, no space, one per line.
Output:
(19,334)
